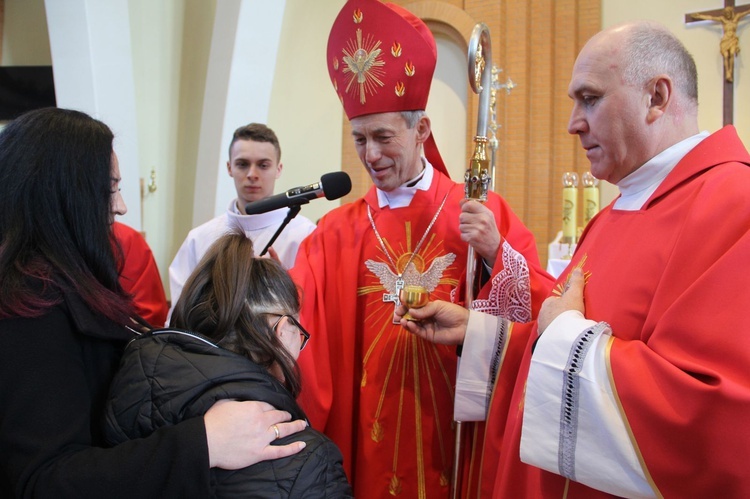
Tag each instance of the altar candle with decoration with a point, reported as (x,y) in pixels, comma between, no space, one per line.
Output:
(590,197)
(570,198)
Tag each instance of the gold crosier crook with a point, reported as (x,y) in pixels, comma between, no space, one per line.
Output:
(477,179)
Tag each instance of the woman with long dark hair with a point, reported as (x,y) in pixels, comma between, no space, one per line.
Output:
(64,322)
(234,334)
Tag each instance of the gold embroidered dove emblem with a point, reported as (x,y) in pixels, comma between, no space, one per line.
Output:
(364,65)
(411,276)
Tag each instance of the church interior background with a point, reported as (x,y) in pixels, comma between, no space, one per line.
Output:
(174,78)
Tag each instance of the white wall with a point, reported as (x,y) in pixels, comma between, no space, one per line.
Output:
(447,105)
(157,31)
(305,112)
(93,69)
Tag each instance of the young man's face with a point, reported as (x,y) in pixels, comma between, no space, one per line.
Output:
(254,166)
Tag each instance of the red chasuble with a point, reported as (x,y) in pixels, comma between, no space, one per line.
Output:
(140,276)
(384,396)
(673,281)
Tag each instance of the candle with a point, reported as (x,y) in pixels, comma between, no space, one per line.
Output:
(570,198)
(590,197)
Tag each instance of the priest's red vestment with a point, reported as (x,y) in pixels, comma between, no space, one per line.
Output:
(673,281)
(384,396)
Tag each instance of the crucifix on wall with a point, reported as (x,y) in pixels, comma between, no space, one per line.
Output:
(729,17)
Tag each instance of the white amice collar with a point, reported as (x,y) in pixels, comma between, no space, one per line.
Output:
(254,222)
(401,197)
(637,188)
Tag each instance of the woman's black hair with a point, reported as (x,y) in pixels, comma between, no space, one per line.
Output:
(55,215)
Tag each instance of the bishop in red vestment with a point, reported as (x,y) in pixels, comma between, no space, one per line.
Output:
(384,396)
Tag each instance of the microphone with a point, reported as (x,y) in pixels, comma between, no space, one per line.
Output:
(332,185)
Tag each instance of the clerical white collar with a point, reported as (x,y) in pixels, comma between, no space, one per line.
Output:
(254,222)
(637,188)
(401,196)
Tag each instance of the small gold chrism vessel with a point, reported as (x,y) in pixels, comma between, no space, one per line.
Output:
(413,296)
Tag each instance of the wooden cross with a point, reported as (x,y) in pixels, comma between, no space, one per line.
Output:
(729,18)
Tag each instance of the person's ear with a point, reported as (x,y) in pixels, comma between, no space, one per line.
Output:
(279,333)
(660,95)
(424,127)
(278,170)
(229,168)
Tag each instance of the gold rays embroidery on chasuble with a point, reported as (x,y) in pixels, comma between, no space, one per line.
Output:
(409,372)
(562,286)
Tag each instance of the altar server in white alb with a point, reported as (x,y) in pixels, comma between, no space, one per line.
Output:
(255,165)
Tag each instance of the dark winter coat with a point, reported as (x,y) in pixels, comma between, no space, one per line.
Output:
(171,375)
(55,372)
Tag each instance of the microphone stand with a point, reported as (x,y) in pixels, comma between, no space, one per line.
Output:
(293,211)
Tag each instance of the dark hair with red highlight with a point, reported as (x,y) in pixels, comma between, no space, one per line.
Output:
(55,215)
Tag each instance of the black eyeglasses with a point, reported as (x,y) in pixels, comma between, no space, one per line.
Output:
(304,334)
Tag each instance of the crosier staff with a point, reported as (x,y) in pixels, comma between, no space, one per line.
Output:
(477,179)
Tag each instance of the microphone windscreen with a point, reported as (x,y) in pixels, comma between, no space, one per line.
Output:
(336,185)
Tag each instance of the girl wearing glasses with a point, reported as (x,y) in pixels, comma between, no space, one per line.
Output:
(234,335)
(64,322)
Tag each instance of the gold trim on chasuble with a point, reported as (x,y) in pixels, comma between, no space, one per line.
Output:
(407,349)
(623,416)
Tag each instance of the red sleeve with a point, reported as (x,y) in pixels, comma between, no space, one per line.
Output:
(309,274)
(140,276)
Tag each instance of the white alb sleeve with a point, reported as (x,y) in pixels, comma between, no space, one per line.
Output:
(572,424)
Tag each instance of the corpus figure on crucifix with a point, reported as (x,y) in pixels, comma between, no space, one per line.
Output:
(729,42)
